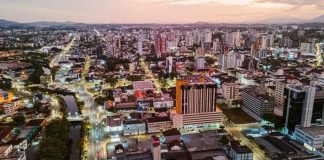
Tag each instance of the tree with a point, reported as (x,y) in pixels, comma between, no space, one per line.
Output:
(224,140)
(112,81)
(19,120)
(53,149)
(134,78)
(163,82)
(276,120)
(55,144)
(210,60)
(34,78)
(5,84)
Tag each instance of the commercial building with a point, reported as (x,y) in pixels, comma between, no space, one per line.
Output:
(196,102)
(311,137)
(304,106)
(133,127)
(157,124)
(239,152)
(256,102)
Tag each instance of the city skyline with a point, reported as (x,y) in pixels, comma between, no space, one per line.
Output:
(160,11)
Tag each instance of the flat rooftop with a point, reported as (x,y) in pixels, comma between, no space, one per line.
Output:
(315,131)
(194,79)
(238,116)
(204,141)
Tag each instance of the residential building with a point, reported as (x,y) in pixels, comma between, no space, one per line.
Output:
(230,60)
(196,102)
(160,45)
(7,152)
(286,42)
(158,124)
(133,127)
(305,47)
(239,152)
(199,63)
(231,91)
(279,97)
(256,102)
(170,135)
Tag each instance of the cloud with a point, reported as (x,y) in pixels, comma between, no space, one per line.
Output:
(296,3)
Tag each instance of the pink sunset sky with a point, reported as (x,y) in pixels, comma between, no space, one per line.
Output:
(158,11)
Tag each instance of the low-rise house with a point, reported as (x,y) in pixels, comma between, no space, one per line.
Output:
(171,135)
(157,124)
(6,134)
(239,152)
(8,152)
(20,144)
(114,123)
(133,127)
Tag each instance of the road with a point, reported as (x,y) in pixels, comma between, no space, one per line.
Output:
(150,75)
(235,132)
(65,50)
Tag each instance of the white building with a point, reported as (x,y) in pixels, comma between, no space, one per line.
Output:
(216,46)
(231,60)
(208,37)
(133,127)
(239,152)
(233,39)
(140,46)
(158,124)
(305,47)
(231,91)
(189,41)
(279,97)
(200,63)
(311,137)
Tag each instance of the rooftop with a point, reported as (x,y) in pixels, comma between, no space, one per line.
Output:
(171,132)
(35,122)
(315,131)
(238,116)
(158,119)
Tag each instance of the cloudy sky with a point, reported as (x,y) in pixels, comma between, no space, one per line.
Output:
(158,11)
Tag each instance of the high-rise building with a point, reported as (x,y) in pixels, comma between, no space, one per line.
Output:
(216,46)
(303,106)
(305,47)
(286,42)
(169,63)
(231,91)
(160,45)
(196,102)
(267,41)
(199,63)
(140,46)
(233,39)
(189,41)
(279,97)
(230,60)
(256,102)
(208,37)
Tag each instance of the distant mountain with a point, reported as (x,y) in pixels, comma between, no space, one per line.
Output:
(319,19)
(5,23)
(49,24)
(281,21)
